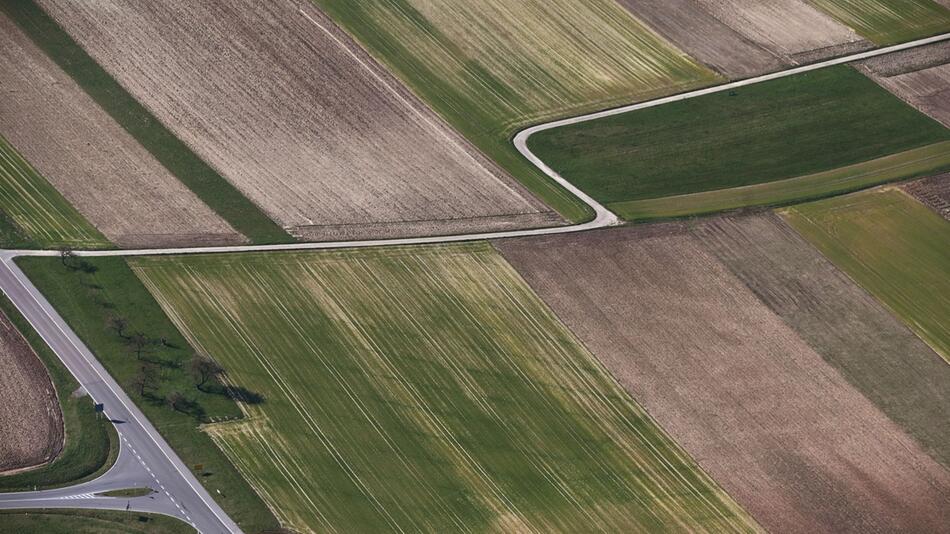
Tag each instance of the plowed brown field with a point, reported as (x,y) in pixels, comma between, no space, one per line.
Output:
(117,185)
(285,106)
(696,31)
(934,192)
(920,77)
(791,29)
(31,424)
(778,427)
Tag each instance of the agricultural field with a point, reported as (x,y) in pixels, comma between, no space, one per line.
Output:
(425,389)
(30,418)
(294,114)
(735,383)
(34,212)
(933,192)
(920,77)
(741,138)
(104,173)
(704,37)
(486,66)
(890,21)
(850,329)
(893,246)
(792,30)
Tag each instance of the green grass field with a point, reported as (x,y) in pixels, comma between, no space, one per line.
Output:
(893,246)
(91,443)
(215,191)
(425,389)
(890,21)
(89,298)
(923,161)
(88,522)
(775,130)
(489,67)
(35,213)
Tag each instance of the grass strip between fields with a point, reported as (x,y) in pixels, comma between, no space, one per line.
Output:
(893,246)
(89,522)
(35,212)
(426,389)
(92,443)
(888,22)
(213,189)
(931,159)
(110,310)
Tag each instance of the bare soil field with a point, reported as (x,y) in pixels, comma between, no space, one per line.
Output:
(920,77)
(691,27)
(791,29)
(91,160)
(934,192)
(849,328)
(31,422)
(286,107)
(778,427)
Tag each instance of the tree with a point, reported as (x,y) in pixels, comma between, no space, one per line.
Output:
(118,324)
(139,342)
(146,379)
(176,401)
(204,369)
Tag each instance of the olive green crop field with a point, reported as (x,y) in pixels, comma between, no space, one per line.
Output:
(89,522)
(893,246)
(490,67)
(33,213)
(780,129)
(425,389)
(889,21)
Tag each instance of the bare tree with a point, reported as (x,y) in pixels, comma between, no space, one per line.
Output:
(204,369)
(139,342)
(176,401)
(146,379)
(118,324)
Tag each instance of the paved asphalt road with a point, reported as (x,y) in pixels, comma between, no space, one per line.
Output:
(145,458)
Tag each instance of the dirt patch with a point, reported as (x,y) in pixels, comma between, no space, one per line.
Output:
(920,77)
(688,25)
(791,29)
(849,328)
(933,192)
(290,110)
(761,411)
(117,185)
(31,422)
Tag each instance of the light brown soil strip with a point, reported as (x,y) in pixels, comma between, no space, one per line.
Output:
(934,192)
(791,29)
(285,106)
(31,423)
(778,427)
(850,329)
(117,185)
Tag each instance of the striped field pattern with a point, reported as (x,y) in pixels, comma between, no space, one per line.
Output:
(425,389)
(38,209)
(890,21)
